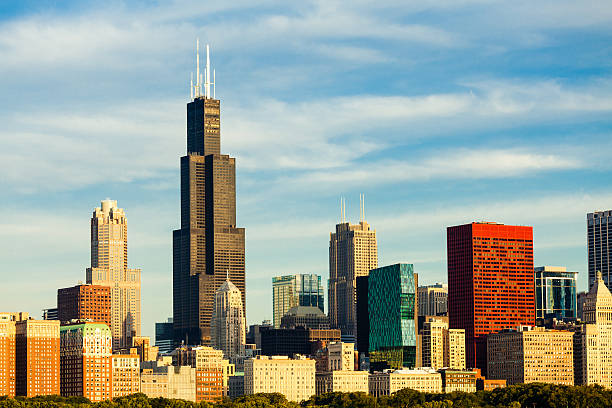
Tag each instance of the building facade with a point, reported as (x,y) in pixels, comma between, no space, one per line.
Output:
(37,356)
(433,299)
(363,315)
(164,336)
(309,317)
(353,252)
(212,371)
(289,342)
(85,358)
(7,354)
(599,245)
(289,291)
(458,380)
(340,356)
(441,346)
(490,282)
(175,382)
(294,378)
(555,292)
(393,314)
(390,381)
(342,381)
(593,343)
(125,374)
(109,267)
(84,302)
(228,327)
(531,355)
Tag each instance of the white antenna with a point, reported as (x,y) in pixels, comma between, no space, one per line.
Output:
(360,207)
(198,77)
(207,83)
(214,85)
(363,210)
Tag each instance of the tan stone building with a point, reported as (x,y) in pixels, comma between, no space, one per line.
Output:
(441,346)
(340,356)
(7,354)
(37,356)
(531,355)
(342,381)
(169,382)
(353,252)
(294,378)
(144,349)
(388,382)
(125,374)
(211,368)
(593,342)
(109,267)
(458,380)
(228,325)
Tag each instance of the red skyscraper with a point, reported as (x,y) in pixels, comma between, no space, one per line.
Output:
(490,282)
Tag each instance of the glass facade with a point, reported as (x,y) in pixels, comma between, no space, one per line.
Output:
(391,308)
(295,290)
(555,290)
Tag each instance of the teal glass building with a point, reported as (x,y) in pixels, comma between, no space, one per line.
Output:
(393,316)
(555,291)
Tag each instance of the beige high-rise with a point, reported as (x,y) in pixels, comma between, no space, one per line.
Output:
(228,326)
(294,378)
(353,252)
(441,346)
(593,343)
(109,267)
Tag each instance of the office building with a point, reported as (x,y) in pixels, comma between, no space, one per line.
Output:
(84,302)
(555,293)
(125,374)
(393,315)
(531,355)
(580,299)
(441,346)
(164,336)
(236,385)
(593,343)
(433,299)
(486,384)
(490,283)
(458,380)
(228,327)
(212,370)
(109,267)
(340,356)
(309,317)
(294,378)
(7,354)
(85,361)
(174,382)
(209,246)
(50,314)
(353,252)
(289,342)
(363,315)
(141,345)
(289,291)
(389,381)
(37,356)
(254,334)
(342,381)
(599,245)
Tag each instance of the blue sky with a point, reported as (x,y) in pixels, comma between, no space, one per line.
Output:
(440,112)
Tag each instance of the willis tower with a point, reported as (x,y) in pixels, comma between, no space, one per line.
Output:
(208,248)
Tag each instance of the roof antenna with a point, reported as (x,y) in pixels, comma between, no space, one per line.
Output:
(214,84)
(198,77)
(207,83)
(227,274)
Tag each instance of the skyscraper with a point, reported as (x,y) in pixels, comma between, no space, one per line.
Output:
(109,267)
(433,299)
(295,290)
(84,302)
(228,327)
(393,314)
(353,252)
(555,292)
(599,244)
(208,246)
(490,283)
(7,354)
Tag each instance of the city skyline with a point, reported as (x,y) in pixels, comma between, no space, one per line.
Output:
(537,127)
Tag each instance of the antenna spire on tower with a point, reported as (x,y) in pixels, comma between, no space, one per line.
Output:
(198,77)
(207,83)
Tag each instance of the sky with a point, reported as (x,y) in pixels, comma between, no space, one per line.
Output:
(441,112)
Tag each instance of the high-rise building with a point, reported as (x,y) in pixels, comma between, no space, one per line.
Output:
(50,314)
(290,342)
(85,359)
(83,302)
(593,343)
(141,345)
(7,354)
(295,290)
(363,315)
(175,382)
(353,252)
(432,299)
(393,315)
(37,356)
(125,375)
(580,299)
(599,245)
(228,328)
(555,292)
(490,283)
(208,247)
(212,370)
(294,378)
(443,347)
(164,336)
(109,267)
(531,355)
(305,316)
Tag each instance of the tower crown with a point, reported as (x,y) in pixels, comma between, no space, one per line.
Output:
(202,81)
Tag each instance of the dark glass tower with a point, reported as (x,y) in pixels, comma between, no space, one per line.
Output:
(599,242)
(208,246)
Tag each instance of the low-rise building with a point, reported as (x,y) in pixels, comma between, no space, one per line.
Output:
(294,378)
(342,381)
(169,382)
(458,380)
(486,384)
(388,381)
(125,374)
(236,385)
(531,355)
(213,371)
